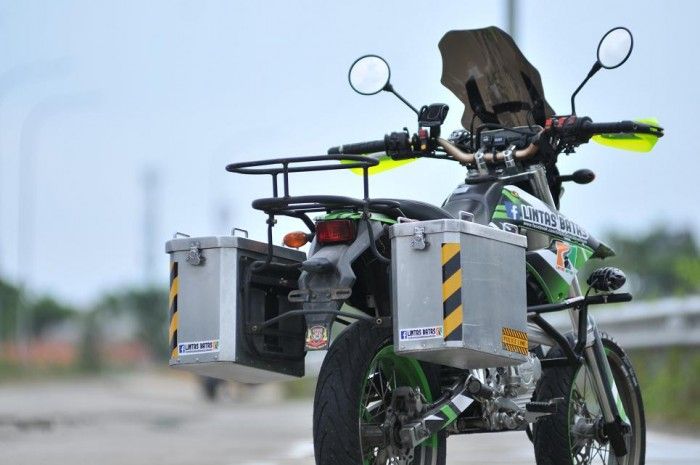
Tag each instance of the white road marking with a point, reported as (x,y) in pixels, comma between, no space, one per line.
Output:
(301,450)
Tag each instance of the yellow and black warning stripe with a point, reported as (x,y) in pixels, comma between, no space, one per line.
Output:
(452,291)
(514,340)
(172,304)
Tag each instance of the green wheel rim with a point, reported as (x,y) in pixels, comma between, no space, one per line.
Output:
(389,371)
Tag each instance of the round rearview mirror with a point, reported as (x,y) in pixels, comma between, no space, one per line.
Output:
(369,74)
(615,47)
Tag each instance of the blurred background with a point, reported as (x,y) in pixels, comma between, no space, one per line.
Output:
(116,122)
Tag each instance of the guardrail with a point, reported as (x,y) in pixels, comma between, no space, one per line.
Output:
(648,324)
(635,325)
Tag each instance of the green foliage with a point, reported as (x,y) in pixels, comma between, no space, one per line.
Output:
(670,382)
(148,308)
(40,313)
(659,263)
(9,303)
(47,312)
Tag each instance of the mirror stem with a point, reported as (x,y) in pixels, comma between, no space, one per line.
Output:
(389,88)
(594,69)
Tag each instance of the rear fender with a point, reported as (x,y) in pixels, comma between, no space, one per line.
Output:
(328,290)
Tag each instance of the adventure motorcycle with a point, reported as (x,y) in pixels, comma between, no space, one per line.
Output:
(391,389)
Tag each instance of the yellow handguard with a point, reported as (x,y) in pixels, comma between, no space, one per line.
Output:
(633,142)
(386,163)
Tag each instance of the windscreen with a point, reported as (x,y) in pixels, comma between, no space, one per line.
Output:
(489,74)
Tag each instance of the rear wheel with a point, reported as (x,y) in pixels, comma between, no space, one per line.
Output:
(357,380)
(574,436)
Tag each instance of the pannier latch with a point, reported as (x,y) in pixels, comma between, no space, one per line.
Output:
(418,242)
(194,256)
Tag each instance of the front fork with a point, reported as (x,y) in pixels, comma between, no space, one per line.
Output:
(595,359)
(596,362)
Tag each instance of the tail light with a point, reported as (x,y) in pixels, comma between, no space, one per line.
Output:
(335,231)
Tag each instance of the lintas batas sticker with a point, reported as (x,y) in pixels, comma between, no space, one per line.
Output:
(198,347)
(413,334)
(547,220)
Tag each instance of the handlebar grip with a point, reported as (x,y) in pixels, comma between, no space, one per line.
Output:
(359,148)
(591,129)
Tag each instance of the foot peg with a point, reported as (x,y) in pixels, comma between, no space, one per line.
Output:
(545,407)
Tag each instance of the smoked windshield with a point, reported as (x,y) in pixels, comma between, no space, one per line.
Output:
(489,74)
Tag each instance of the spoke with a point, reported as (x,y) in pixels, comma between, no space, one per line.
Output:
(596,453)
(374,406)
(606,455)
(382,383)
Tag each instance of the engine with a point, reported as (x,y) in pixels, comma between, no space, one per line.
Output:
(514,387)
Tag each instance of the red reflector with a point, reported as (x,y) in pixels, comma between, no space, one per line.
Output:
(335,231)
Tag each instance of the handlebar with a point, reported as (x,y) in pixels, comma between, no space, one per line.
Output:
(470,158)
(571,131)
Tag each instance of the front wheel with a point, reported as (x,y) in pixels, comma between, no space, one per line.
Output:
(574,436)
(355,386)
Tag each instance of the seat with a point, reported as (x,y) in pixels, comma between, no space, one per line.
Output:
(420,211)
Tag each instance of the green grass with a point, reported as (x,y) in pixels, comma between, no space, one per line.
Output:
(13,371)
(670,383)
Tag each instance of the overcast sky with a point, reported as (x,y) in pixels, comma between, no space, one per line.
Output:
(94,94)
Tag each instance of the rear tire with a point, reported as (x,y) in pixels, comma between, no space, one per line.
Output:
(341,394)
(554,439)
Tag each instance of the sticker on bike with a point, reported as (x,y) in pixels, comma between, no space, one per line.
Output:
(428,332)
(199,347)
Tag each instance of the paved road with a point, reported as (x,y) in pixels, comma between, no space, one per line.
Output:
(160,419)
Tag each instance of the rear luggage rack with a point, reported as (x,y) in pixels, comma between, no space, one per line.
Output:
(299,206)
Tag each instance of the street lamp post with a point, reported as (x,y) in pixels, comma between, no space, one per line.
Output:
(13,78)
(31,130)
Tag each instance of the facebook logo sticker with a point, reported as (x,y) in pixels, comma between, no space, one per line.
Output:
(512,210)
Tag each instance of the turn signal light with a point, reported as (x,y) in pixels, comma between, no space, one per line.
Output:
(335,231)
(295,239)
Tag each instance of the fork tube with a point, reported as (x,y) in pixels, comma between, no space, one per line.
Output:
(596,360)
(599,370)
(541,186)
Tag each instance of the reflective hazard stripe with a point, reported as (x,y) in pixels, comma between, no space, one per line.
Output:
(172,303)
(452,291)
(514,340)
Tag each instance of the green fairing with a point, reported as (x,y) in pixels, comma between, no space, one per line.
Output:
(553,284)
(579,255)
(352,215)
(555,287)
(541,281)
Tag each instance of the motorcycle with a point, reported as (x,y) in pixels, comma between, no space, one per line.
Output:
(392,389)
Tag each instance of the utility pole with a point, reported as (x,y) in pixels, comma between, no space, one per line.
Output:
(150,183)
(37,118)
(512,19)
(9,80)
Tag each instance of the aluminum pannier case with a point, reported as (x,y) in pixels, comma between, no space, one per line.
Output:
(216,296)
(459,293)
